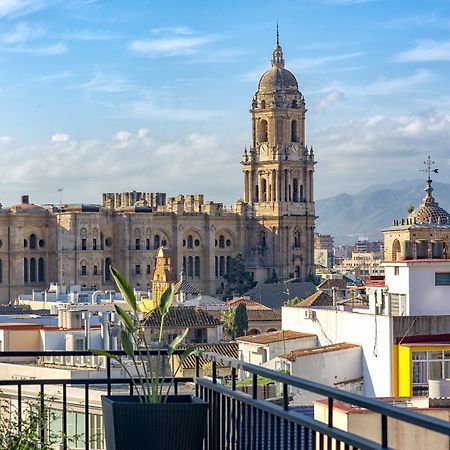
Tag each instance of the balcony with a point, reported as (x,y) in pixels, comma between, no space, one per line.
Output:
(237,420)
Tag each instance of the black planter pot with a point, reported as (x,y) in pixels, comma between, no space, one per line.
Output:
(178,424)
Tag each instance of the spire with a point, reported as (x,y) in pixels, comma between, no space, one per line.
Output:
(429,199)
(277,59)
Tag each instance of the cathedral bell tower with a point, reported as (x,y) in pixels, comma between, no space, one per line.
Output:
(278,172)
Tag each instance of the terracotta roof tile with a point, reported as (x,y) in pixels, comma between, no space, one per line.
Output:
(182,316)
(319,298)
(229,349)
(274,336)
(250,304)
(294,354)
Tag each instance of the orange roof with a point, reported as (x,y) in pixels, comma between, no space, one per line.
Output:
(250,304)
(20,326)
(294,354)
(274,336)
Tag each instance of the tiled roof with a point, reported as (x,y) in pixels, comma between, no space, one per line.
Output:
(229,349)
(333,283)
(254,315)
(250,304)
(294,354)
(186,287)
(182,316)
(319,298)
(275,295)
(274,336)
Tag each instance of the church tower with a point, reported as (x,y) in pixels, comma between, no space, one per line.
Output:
(278,177)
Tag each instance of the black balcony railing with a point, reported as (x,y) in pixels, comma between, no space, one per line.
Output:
(236,420)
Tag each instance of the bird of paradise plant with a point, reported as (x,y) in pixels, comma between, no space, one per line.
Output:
(149,379)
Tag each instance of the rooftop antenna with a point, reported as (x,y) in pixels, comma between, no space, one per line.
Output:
(60,195)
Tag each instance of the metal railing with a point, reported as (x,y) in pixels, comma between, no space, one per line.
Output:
(236,420)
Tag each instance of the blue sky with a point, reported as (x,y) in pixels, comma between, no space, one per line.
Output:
(100,96)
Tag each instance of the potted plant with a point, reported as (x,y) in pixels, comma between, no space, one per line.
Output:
(151,419)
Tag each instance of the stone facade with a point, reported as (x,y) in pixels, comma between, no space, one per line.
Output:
(272,226)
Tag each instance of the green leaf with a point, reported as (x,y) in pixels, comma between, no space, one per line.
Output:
(126,344)
(166,301)
(125,318)
(177,341)
(125,288)
(189,352)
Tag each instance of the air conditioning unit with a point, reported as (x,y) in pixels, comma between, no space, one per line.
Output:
(310,314)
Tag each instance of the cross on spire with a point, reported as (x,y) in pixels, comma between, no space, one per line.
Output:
(429,167)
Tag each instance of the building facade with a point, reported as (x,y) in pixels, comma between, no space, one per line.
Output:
(272,226)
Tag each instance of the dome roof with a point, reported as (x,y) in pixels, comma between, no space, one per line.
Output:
(277,79)
(429,211)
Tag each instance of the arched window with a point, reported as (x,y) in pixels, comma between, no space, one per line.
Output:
(294,135)
(184,265)
(295,190)
(395,250)
(262,135)
(197,267)
(296,239)
(216,260)
(190,241)
(222,266)
(263,104)
(221,241)
(107,269)
(25,270)
(228,266)
(263,190)
(33,241)
(41,270)
(190,267)
(32,270)
(297,272)
(156,242)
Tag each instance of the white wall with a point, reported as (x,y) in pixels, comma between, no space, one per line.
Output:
(372,333)
(416,281)
(327,368)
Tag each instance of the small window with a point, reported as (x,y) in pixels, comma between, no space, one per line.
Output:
(138,244)
(149,269)
(442,279)
(95,270)
(138,269)
(108,242)
(147,244)
(396,270)
(197,242)
(83,244)
(83,270)
(94,244)
(41,243)
(228,243)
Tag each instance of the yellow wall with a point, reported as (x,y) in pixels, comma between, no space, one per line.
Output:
(403,366)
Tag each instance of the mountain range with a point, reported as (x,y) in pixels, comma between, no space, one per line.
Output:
(348,217)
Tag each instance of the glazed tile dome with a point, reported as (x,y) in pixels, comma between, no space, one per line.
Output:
(429,211)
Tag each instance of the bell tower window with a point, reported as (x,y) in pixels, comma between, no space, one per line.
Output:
(294,134)
(295,190)
(262,135)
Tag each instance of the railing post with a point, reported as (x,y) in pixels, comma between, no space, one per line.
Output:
(255,386)
(285,397)
(214,372)
(384,431)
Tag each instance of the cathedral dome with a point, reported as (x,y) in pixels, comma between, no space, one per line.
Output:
(277,79)
(429,211)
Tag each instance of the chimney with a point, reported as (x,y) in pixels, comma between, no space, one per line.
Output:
(25,199)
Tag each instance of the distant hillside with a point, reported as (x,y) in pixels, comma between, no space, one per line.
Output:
(347,217)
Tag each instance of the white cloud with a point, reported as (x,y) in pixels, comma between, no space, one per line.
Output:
(61,137)
(142,132)
(365,151)
(171,46)
(19,7)
(23,32)
(183,30)
(426,51)
(4,140)
(90,35)
(311,63)
(103,82)
(331,98)
(50,50)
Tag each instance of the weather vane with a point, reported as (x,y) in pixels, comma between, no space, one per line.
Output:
(429,163)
